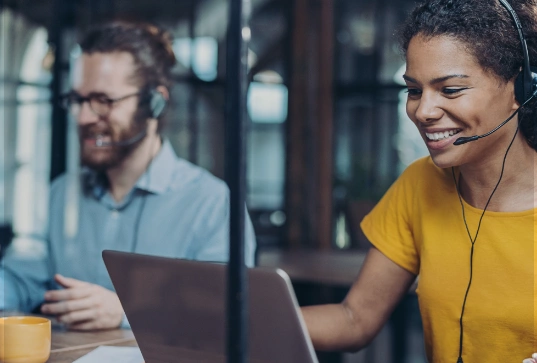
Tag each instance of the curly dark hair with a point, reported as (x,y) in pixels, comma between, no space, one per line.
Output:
(150,47)
(488,30)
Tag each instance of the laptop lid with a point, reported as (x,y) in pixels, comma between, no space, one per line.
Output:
(177,310)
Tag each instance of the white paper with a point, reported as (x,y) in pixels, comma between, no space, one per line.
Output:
(105,354)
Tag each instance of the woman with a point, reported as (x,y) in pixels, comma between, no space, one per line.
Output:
(464,218)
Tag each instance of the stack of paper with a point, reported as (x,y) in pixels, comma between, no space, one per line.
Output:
(106,354)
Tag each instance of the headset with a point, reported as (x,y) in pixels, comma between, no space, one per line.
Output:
(157,103)
(525,91)
(525,82)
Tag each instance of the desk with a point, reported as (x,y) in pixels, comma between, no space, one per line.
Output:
(334,268)
(321,277)
(68,346)
(337,268)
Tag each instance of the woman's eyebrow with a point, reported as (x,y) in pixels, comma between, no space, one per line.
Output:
(436,80)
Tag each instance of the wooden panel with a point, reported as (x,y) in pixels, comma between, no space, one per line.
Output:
(310,126)
(296,171)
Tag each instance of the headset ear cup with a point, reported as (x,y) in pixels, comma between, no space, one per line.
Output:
(519,85)
(157,103)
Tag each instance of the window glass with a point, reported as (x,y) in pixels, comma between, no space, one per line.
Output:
(32,147)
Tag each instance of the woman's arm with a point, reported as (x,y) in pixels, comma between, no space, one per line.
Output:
(352,324)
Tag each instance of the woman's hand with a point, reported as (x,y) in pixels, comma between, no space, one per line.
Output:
(533,359)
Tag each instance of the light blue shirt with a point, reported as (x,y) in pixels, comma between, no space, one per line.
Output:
(175,210)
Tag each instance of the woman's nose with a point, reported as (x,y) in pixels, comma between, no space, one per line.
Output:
(429,108)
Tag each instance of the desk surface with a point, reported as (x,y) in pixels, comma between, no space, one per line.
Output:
(68,346)
(325,267)
(335,268)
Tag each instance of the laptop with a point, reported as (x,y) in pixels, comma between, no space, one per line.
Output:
(177,310)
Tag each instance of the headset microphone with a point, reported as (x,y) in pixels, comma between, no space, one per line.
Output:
(128,142)
(464,140)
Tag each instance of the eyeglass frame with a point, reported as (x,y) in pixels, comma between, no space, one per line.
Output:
(66,101)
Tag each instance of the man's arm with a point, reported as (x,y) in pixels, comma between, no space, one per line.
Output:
(352,324)
(9,297)
(23,281)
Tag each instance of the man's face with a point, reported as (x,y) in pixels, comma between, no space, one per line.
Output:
(106,76)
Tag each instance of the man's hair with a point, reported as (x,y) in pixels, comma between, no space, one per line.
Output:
(150,47)
(151,50)
(489,33)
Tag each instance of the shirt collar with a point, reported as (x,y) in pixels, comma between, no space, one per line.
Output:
(158,177)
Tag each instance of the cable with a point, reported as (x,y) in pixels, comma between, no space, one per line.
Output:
(457,187)
(142,206)
(139,215)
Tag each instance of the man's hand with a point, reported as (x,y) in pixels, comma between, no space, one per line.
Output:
(83,306)
(533,359)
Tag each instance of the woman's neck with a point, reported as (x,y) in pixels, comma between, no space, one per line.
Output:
(517,189)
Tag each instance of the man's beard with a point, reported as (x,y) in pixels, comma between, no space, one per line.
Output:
(101,159)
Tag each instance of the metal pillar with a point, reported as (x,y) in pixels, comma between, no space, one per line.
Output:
(59,117)
(193,119)
(236,64)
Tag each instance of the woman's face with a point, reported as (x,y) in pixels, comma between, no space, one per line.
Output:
(450,95)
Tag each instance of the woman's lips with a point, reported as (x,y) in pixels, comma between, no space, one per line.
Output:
(437,140)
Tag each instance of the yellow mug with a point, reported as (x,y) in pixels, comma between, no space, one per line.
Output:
(24,339)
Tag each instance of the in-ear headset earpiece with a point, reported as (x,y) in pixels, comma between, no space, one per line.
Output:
(157,103)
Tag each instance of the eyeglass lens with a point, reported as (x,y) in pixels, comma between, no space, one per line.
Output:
(98,104)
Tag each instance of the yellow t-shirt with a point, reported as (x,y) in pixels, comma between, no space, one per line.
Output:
(418,224)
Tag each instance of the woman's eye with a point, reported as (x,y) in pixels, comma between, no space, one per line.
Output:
(452,91)
(413,92)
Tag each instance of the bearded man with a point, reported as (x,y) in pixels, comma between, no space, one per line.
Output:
(136,194)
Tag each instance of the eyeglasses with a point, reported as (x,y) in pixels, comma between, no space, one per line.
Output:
(99,104)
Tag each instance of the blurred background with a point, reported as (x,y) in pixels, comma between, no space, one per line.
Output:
(327,128)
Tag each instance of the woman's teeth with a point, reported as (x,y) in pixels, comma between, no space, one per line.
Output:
(436,136)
